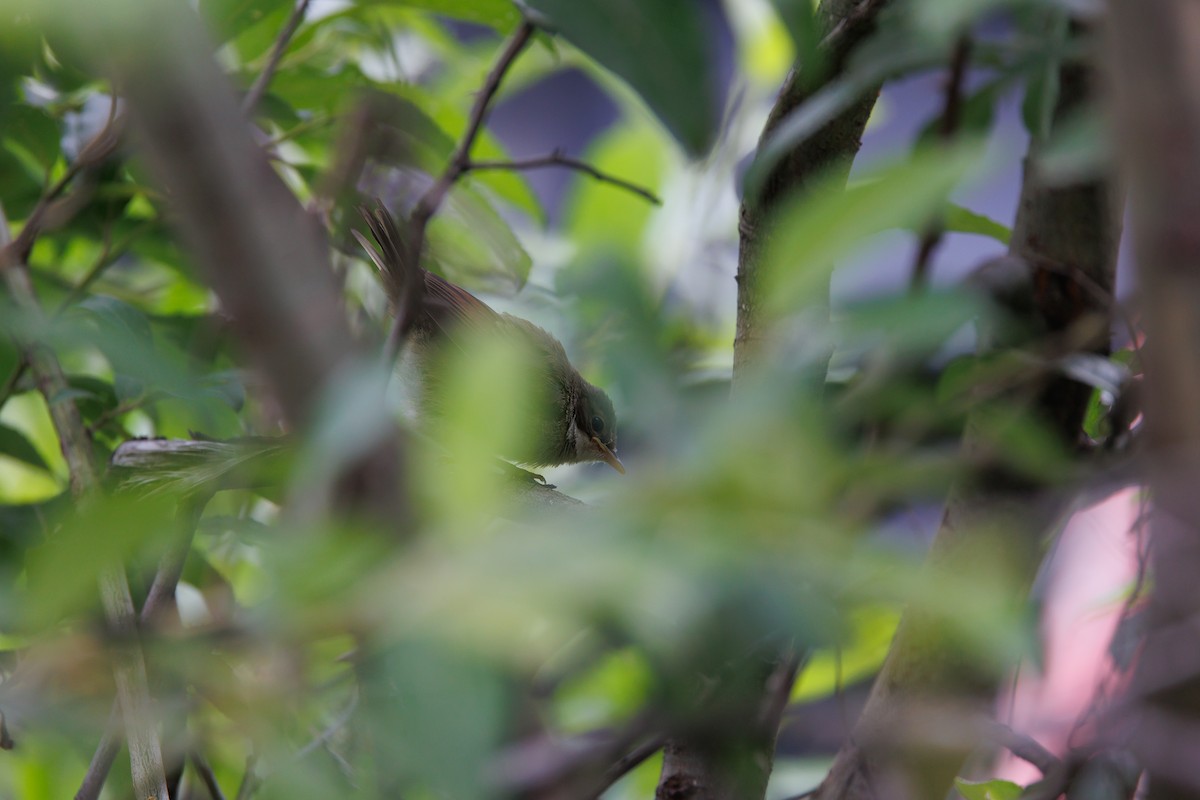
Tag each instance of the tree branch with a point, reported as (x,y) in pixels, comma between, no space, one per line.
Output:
(162,591)
(410,296)
(1023,747)
(831,149)
(206,774)
(1157,113)
(1076,224)
(557,159)
(129,668)
(259,87)
(947,128)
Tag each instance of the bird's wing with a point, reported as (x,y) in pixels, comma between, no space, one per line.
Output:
(452,307)
(445,306)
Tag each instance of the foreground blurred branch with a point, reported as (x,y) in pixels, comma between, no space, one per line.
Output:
(267,260)
(1066,236)
(129,668)
(160,596)
(1153,69)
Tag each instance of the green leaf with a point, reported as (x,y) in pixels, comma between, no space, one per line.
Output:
(229,18)
(34,132)
(474,246)
(1096,371)
(660,47)
(14,444)
(499,14)
(827,224)
(961,219)
(432,121)
(1079,148)
(800,19)
(988,790)
(1041,89)
(602,218)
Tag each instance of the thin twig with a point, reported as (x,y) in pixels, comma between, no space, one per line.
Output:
(206,775)
(259,88)
(947,127)
(557,159)
(109,255)
(338,722)
(629,762)
(427,206)
(1023,747)
(14,252)
(249,779)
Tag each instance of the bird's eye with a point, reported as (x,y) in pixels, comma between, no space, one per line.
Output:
(597,425)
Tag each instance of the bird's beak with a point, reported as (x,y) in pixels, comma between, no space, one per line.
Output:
(608,456)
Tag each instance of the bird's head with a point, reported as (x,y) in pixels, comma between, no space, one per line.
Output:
(596,428)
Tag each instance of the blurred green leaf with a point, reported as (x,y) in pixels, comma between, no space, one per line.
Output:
(1079,148)
(64,573)
(34,131)
(436,716)
(829,671)
(14,444)
(961,219)
(499,14)
(827,223)
(988,790)
(472,245)
(611,691)
(601,218)
(229,18)
(660,47)
(1042,85)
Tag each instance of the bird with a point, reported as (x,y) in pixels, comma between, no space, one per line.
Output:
(569,420)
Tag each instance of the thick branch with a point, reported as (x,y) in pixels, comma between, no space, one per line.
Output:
(739,764)
(1076,228)
(1153,50)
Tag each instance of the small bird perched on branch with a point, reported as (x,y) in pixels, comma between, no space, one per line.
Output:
(570,420)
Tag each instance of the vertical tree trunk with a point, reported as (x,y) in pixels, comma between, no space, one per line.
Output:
(1066,237)
(737,764)
(1155,49)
